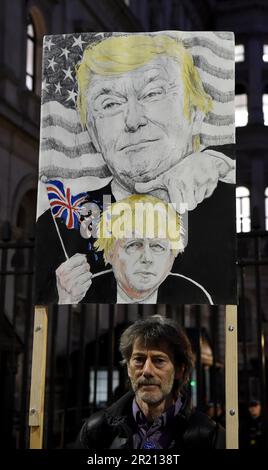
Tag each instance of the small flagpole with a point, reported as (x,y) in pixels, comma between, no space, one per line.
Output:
(45,180)
(58,231)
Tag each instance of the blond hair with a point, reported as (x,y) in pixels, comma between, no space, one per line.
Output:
(138,216)
(121,54)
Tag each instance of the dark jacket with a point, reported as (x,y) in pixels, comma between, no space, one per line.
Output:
(114,427)
(174,289)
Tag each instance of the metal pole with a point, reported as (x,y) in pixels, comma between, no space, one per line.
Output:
(183,316)
(213,318)
(81,366)
(260,332)
(29,314)
(140,311)
(168,311)
(110,353)
(67,375)
(96,358)
(51,389)
(243,313)
(14,342)
(3,282)
(126,313)
(199,376)
(3,286)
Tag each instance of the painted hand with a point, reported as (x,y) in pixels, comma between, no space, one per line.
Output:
(73,279)
(192,180)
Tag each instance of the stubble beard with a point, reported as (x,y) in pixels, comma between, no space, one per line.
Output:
(163,392)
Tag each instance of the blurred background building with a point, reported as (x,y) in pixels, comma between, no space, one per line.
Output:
(83,371)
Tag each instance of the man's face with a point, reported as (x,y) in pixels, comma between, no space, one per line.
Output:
(255,410)
(136,120)
(141,265)
(152,372)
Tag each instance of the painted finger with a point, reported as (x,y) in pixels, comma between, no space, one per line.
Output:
(200,193)
(176,196)
(77,260)
(83,279)
(78,276)
(210,189)
(67,272)
(78,271)
(69,277)
(149,186)
(80,291)
(189,197)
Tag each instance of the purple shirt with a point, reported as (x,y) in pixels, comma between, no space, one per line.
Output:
(156,435)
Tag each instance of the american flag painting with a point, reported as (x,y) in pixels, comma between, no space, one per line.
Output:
(63,204)
(66,150)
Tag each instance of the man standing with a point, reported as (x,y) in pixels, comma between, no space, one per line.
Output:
(253,433)
(156,413)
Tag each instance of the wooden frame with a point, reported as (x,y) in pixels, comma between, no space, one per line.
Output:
(231,377)
(38,378)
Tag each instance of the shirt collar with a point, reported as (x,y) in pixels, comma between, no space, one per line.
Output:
(163,419)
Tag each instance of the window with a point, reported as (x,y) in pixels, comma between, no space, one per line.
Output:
(242,209)
(239,53)
(265,108)
(36,29)
(30,55)
(241,110)
(102,385)
(265,53)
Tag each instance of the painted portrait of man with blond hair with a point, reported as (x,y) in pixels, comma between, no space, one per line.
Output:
(144,115)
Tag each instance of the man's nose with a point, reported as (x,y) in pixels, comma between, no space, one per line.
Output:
(146,255)
(134,116)
(148,369)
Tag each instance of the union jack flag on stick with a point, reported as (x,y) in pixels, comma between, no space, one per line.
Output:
(64,205)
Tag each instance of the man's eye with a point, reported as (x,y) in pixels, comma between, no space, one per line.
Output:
(157,248)
(153,93)
(138,360)
(111,104)
(159,362)
(132,247)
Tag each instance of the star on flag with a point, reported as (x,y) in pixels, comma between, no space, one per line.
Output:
(62,54)
(49,44)
(65,52)
(68,74)
(78,42)
(72,95)
(58,88)
(45,85)
(52,64)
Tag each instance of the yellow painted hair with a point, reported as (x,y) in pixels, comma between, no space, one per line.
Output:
(121,54)
(106,239)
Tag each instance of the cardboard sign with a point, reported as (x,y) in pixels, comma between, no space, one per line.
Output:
(137,169)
